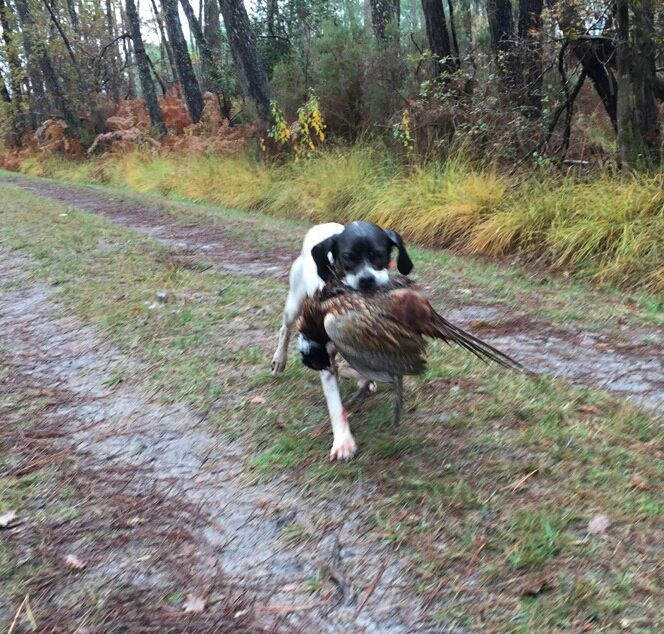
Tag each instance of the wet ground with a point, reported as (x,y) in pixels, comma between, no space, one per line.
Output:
(626,361)
(126,441)
(232,550)
(164,501)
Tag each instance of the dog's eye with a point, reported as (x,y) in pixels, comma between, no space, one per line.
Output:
(348,258)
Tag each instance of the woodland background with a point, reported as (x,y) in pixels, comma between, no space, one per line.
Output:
(496,127)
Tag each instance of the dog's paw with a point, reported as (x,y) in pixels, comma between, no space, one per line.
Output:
(343,447)
(278,362)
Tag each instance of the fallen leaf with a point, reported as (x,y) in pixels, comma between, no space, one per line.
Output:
(638,482)
(598,524)
(257,400)
(535,584)
(194,604)
(73,561)
(7,518)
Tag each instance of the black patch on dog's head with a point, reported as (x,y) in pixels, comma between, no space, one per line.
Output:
(360,246)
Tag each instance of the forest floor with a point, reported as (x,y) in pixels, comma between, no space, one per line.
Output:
(163,480)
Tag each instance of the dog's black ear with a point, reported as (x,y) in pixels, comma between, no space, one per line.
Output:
(404,263)
(320,255)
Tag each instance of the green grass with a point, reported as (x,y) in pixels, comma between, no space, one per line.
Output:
(491,478)
(606,228)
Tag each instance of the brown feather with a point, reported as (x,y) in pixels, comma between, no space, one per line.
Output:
(382,334)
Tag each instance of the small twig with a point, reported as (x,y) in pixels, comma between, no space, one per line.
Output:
(18,612)
(335,574)
(370,589)
(520,482)
(38,463)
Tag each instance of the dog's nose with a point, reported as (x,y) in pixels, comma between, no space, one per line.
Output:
(367,283)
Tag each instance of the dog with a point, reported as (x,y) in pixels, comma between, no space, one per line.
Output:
(360,255)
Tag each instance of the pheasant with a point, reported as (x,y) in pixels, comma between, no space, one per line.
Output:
(382,335)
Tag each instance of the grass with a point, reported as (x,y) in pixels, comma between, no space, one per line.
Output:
(607,228)
(491,479)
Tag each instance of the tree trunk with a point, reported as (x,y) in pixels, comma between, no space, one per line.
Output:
(242,42)
(188,81)
(36,94)
(128,65)
(455,41)
(143,64)
(73,16)
(208,63)
(113,54)
(467,19)
(15,72)
(164,41)
(412,15)
(212,34)
(501,28)
(383,15)
(638,125)
(4,93)
(271,17)
(437,36)
(530,55)
(48,71)
(596,56)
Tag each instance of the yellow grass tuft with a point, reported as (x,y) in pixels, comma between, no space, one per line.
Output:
(609,228)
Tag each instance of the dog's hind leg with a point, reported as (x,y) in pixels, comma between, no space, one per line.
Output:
(364,386)
(296,294)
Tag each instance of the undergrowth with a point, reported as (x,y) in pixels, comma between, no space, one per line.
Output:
(606,228)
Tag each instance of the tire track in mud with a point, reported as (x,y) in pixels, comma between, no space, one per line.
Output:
(170,450)
(627,363)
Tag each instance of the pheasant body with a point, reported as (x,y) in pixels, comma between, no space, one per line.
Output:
(383,335)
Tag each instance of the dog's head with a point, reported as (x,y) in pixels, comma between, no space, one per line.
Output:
(360,256)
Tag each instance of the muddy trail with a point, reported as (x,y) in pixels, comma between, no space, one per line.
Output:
(163,506)
(628,362)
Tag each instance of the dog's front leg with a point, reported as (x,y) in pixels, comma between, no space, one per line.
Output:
(343,443)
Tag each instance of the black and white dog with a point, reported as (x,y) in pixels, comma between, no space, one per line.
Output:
(360,253)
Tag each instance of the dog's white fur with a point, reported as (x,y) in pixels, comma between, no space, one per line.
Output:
(304,282)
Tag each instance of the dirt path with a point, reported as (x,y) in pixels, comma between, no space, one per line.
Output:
(628,362)
(178,495)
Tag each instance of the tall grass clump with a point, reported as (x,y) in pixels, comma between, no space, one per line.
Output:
(609,228)
(606,227)
(439,203)
(339,184)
